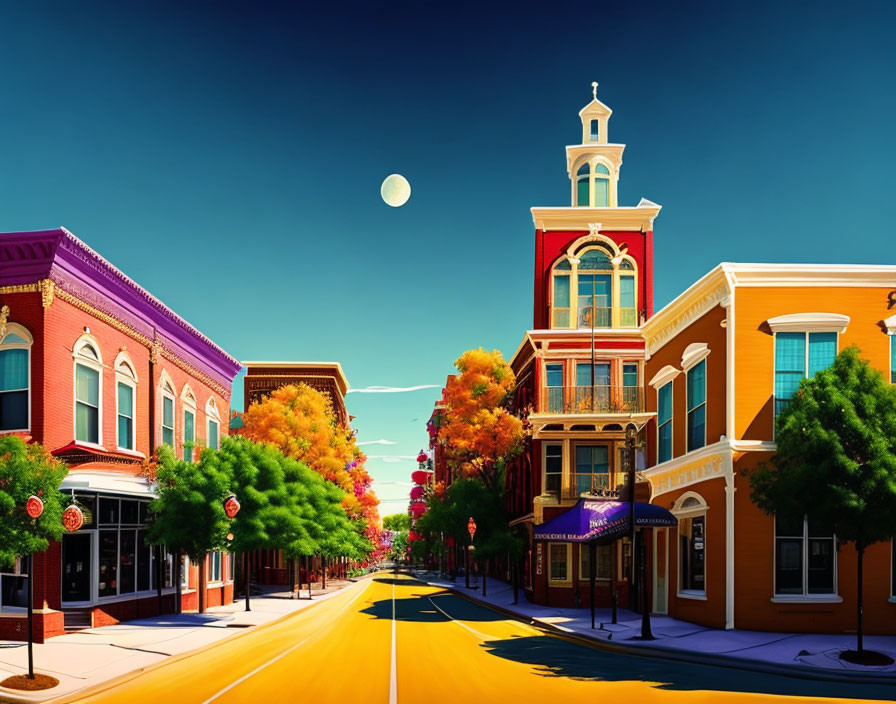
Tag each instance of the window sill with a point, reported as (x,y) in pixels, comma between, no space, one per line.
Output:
(13,612)
(89,445)
(696,596)
(892,599)
(807,599)
(558,583)
(22,431)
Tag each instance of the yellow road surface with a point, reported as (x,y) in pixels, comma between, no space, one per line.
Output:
(393,640)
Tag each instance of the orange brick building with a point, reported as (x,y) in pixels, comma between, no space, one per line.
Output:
(101,373)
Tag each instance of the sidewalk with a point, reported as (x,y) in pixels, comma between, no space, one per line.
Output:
(807,654)
(85,658)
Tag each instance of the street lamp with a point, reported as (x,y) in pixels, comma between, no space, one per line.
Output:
(471,528)
(631,433)
(34,507)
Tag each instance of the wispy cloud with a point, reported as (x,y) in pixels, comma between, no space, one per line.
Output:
(377,442)
(393,483)
(391,389)
(392,458)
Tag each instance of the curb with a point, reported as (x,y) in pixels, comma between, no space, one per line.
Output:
(729,661)
(12,696)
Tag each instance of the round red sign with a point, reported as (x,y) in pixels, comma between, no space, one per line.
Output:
(231,506)
(471,527)
(34,506)
(72,518)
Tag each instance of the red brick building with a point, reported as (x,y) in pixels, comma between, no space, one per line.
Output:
(101,372)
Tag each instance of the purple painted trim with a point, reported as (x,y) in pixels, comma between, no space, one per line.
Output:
(27,257)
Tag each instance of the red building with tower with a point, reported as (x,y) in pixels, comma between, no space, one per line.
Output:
(101,372)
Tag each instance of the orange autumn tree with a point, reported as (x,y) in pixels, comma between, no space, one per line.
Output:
(300,422)
(479,433)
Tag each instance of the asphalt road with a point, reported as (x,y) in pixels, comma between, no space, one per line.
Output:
(394,640)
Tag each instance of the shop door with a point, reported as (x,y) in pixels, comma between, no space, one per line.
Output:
(76,567)
(660,570)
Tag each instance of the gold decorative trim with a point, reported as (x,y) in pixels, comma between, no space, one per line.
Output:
(155,346)
(19,288)
(4,316)
(47,290)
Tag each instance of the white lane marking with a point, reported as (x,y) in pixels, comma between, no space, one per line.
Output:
(283,654)
(462,625)
(393,669)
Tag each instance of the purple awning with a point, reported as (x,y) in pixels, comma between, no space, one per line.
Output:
(592,520)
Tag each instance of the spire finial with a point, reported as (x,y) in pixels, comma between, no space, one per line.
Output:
(594,89)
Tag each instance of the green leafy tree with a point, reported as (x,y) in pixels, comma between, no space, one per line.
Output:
(397,522)
(836,457)
(189,515)
(399,546)
(26,470)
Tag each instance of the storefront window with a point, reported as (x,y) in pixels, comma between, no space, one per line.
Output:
(604,562)
(559,561)
(14,584)
(214,566)
(107,584)
(804,557)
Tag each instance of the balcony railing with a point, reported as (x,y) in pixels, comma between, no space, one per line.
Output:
(603,318)
(571,400)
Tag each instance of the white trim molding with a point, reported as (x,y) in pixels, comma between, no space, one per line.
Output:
(664,376)
(694,353)
(890,324)
(809,322)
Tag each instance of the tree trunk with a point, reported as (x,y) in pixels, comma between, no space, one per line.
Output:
(179,606)
(860,549)
(247,580)
(323,571)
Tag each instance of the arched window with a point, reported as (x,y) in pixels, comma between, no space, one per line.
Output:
(167,416)
(690,509)
(126,402)
(596,286)
(189,404)
(213,423)
(583,178)
(88,391)
(15,378)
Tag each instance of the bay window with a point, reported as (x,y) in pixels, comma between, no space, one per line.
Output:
(805,557)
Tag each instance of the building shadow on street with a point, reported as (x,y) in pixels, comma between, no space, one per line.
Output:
(419,608)
(555,657)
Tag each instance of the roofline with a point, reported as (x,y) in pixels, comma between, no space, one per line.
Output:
(299,365)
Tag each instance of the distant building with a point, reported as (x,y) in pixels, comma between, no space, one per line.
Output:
(101,373)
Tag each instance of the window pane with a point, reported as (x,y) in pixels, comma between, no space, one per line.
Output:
(87,425)
(13,410)
(627,291)
(129,512)
(13,370)
(553,458)
(821,566)
(125,432)
(561,292)
(125,400)
(592,468)
(789,565)
(558,560)
(601,374)
(601,169)
(630,374)
(664,403)
(127,573)
(168,411)
(87,385)
(108,567)
(595,132)
(108,513)
(790,352)
(604,561)
(697,428)
(582,192)
(145,578)
(213,435)
(665,442)
(554,374)
(822,350)
(601,192)
(595,260)
(692,551)
(697,385)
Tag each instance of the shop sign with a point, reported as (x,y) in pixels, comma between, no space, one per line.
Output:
(72,518)
(231,506)
(538,558)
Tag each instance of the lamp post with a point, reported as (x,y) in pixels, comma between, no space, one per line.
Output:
(34,507)
(630,442)
(471,529)
(231,508)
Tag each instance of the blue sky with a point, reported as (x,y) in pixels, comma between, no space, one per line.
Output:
(228,156)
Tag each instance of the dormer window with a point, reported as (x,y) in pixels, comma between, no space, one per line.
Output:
(596,288)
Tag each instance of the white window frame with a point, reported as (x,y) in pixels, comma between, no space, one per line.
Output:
(166,390)
(188,405)
(97,366)
(126,374)
(185,572)
(212,417)
(544,468)
(567,581)
(679,511)
(687,411)
(22,332)
(828,597)
(210,561)
(805,332)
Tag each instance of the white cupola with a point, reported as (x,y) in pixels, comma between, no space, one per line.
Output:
(593,165)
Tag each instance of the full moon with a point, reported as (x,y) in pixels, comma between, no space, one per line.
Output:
(395,190)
